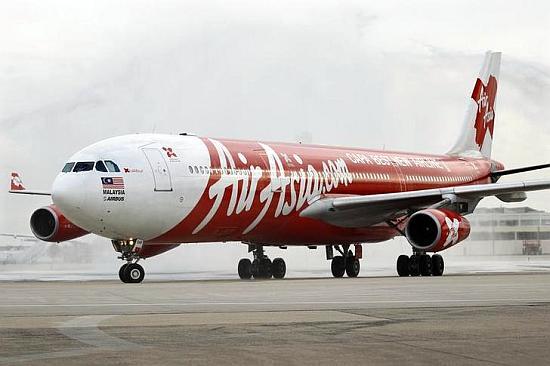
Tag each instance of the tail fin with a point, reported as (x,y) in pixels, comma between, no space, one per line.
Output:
(479,125)
(16,182)
(17,187)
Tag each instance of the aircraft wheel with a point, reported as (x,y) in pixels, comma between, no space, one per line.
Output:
(438,265)
(245,269)
(265,268)
(403,265)
(338,266)
(255,268)
(425,265)
(278,267)
(414,265)
(352,267)
(121,273)
(134,273)
(261,268)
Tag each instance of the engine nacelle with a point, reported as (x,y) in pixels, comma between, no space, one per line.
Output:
(434,230)
(49,224)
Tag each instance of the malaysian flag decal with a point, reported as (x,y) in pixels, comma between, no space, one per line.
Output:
(112,182)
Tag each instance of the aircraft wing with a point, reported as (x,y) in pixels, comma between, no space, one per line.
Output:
(363,211)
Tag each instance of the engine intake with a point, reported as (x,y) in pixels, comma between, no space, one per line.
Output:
(434,230)
(49,224)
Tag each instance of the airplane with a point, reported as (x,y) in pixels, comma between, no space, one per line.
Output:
(149,193)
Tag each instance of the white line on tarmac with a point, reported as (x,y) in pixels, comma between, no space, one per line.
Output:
(85,330)
(427,301)
(92,335)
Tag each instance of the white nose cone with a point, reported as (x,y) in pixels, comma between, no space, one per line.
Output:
(68,194)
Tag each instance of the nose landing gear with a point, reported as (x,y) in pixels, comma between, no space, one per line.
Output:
(130,272)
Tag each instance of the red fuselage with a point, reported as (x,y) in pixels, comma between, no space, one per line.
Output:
(256,191)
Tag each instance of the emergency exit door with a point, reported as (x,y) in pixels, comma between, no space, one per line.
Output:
(161,173)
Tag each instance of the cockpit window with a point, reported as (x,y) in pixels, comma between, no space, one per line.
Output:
(68,168)
(83,166)
(100,167)
(113,168)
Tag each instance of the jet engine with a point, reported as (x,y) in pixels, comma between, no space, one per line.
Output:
(433,230)
(49,224)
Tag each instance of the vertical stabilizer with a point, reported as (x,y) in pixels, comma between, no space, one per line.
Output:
(16,182)
(477,134)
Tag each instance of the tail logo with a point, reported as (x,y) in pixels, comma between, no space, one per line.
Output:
(16,182)
(484,96)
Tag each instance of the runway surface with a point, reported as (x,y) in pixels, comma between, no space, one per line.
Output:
(492,319)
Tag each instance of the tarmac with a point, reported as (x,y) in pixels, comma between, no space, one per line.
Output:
(492,319)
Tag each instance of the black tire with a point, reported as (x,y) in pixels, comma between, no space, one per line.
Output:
(414,266)
(438,265)
(261,268)
(403,265)
(278,267)
(338,266)
(265,268)
(255,268)
(353,267)
(121,273)
(425,265)
(134,273)
(245,269)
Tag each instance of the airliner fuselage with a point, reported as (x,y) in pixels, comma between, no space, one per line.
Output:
(178,189)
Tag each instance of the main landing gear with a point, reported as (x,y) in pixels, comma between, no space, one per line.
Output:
(131,271)
(261,267)
(420,264)
(346,262)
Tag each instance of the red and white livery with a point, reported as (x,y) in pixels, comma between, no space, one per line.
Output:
(149,193)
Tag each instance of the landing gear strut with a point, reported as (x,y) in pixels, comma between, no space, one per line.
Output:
(131,271)
(420,264)
(347,262)
(261,267)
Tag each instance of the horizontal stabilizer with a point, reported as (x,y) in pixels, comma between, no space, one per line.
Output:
(499,173)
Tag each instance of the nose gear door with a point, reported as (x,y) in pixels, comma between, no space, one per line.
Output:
(161,173)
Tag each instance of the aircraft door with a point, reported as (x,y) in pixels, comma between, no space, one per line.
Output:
(161,173)
(400,177)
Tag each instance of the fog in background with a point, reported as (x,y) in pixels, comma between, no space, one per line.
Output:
(393,75)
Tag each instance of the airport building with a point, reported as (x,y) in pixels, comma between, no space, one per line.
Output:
(507,231)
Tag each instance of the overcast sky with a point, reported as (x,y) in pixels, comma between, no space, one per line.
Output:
(373,74)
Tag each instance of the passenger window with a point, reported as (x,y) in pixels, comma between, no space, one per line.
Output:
(100,167)
(68,167)
(190,169)
(83,166)
(112,167)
